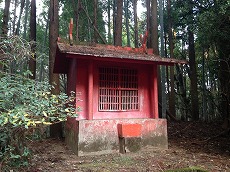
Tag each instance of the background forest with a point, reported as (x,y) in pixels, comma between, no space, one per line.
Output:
(194,30)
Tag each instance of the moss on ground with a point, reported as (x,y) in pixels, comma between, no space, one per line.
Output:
(189,169)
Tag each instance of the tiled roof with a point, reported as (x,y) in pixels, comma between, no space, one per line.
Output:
(108,51)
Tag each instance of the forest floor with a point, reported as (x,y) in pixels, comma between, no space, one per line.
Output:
(191,144)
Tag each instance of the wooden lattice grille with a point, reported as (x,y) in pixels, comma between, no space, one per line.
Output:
(118,89)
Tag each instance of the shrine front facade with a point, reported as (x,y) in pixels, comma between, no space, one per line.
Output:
(117,97)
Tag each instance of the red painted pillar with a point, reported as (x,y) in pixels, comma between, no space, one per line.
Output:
(90,91)
(155,93)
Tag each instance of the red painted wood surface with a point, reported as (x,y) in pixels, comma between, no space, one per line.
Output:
(129,130)
(155,93)
(81,88)
(90,90)
(87,91)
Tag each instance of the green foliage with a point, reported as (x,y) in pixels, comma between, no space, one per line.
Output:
(86,30)
(190,169)
(25,102)
(25,105)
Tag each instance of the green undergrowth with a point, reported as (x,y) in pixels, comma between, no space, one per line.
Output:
(189,169)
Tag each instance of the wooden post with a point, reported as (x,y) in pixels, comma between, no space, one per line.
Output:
(154,93)
(71,31)
(90,91)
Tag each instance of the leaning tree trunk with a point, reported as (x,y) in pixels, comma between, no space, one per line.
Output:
(56,129)
(193,77)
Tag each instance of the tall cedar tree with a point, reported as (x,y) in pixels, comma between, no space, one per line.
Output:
(5,23)
(149,24)
(155,45)
(76,12)
(193,77)
(154,35)
(118,24)
(56,129)
(95,20)
(170,34)
(135,23)
(15,16)
(20,16)
(26,17)
(126,8)
(223,46)
(109,22)
(32,61)
(6,18)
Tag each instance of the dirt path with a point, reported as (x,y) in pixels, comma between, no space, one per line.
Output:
(190,144)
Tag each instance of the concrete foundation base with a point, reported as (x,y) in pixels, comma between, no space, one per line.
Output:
(95,137)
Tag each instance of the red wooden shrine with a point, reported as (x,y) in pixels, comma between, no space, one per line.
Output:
(116,89)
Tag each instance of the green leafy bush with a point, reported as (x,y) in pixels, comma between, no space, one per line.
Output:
(25,105)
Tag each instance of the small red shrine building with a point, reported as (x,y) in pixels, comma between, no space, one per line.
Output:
(116,90)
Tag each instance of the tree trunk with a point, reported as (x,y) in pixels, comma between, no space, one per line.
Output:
(56,129)
(181,87)
(224,70)
(41,72)
(154,35)
(20,16)
(26,18)
(118,24)
(32,61)
(95,20)
(76,12)
(89,23)
(114,19)
(6,18)
(163,80)
(172,90)
(15,16)
(135,23)
(193,77)
(204,102)
(109,22)
(5,24)
(126,4)
(149,28)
